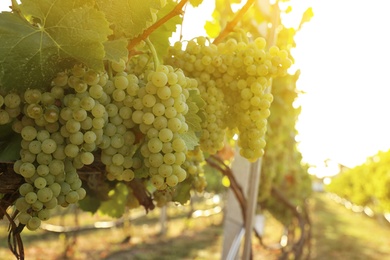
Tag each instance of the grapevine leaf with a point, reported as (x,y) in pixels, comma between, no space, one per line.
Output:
(182,193)
(10,148)
(6,131)
(129,18)
(60,31)
(116,49)
(195,3)
(212,28)
(115,206)
(192,119)
(142,172)
(89,204)
(160,37)
(194,115)
(306,17)
(190,139)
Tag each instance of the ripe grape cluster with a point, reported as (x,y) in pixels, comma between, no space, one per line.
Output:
(234,78)
(125,122)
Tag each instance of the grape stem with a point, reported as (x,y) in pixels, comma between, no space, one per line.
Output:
(230,25)
(178,10)
(14,239)
(154,53)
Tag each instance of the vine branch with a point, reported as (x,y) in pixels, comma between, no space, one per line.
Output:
(178,10)
(236,188)
(230,25)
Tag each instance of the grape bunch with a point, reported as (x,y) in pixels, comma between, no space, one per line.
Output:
(234,78)
(123,121)
(159,110)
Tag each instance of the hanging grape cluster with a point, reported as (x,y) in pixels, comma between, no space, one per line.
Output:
(233,79)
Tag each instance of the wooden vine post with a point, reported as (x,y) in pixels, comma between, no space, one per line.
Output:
(238,225)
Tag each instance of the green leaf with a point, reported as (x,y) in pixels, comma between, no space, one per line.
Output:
(190,139)
(90,204)
(194,115)
(142,172)
(160,37)
(212,29)
(129,18)
(182,192)
(59,32)
(196,3)
(115,206)
(116,49)
(6,131)
(10,148)
(306,17)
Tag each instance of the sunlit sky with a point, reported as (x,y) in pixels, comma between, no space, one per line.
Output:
(343,54)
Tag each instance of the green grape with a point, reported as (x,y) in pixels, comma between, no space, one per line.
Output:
(81,193)
(32,96)
(55,188)
(65,188)
(73,126)
(45,194)
(165,135)
(40,182)
(172,180)
(29,133)
(27,170)
(159,79)
(71,150)
(128,175)
(181,175)
(76,184)
(34,111)
(157,181)
(117,141)
(79,114)
(156,159)
(37,206)
(171,112)
(34,223)
(98,111)
(43,170)
(48,146)
(31,197)
(25,188)
(89,137)
(44,214)
(91,77)
(164,92)
(56,167)
(149,100)
(155,145)
(4,117)
(22,205)
(24,217)
(118,66)
(179,145)
(12,100)
(51,204)
(72,197)
(49,179)
(87,158)
(121,82)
